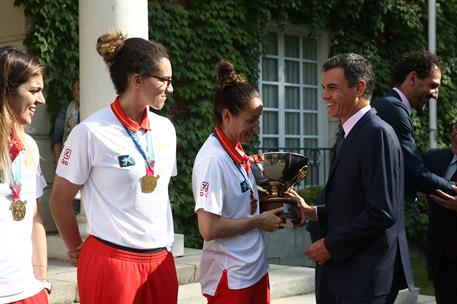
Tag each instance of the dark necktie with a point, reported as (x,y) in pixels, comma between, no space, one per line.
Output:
(339,142)
(450,249)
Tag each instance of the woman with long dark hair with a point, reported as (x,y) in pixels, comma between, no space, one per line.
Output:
(23,252)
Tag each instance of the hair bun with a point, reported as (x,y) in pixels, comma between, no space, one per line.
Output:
(226,74)
(109,44)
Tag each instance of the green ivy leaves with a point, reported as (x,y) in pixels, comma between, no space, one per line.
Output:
(197,33)
(53,40)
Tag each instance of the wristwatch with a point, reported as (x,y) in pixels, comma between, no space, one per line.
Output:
(47,285)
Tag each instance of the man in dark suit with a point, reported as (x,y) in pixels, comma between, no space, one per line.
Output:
(365,249)
(416,78)
(442,227)
(316,232)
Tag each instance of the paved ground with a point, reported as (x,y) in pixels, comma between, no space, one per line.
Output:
(289,285)
(309,299)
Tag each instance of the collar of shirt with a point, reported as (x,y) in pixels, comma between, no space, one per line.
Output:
(350,123)
(404,100)
(127,121)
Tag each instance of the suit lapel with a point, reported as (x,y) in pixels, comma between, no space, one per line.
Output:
(349,139)
(346,147)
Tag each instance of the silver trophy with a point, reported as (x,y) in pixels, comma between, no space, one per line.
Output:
(275,174)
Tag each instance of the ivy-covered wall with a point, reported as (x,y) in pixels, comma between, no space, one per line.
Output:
(199,32)
(53,39)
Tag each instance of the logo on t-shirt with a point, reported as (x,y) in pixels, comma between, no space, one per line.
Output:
(125,161)
(244,186)
(204,188)
(66,157)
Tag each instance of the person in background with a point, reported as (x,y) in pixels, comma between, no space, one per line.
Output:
(441,249)
(233,266)
(122,158)
(66,120)
(416,79)
(23,251)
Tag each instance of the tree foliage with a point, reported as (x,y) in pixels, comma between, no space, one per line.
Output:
(198,33)
(53,39)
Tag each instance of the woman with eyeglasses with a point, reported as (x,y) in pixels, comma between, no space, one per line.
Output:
(23,252)
(122,158)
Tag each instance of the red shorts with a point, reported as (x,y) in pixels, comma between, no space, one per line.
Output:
(259,293)
(109,275)
(39,298)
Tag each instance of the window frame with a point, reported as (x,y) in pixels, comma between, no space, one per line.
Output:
(322,127)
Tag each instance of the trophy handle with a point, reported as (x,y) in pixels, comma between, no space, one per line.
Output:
(302,173)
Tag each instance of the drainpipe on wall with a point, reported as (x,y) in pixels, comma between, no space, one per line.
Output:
(432,49)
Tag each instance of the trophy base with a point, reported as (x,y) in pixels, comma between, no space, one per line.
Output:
(289,215)
(288,223)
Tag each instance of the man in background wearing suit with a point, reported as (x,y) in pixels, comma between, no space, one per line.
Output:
(442,227)
(416,79)
(364,257)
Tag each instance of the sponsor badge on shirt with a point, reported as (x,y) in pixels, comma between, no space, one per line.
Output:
(244,186)
(125,161)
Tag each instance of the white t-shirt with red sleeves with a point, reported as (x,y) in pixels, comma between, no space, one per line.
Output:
(216,184)
(17,281)
(100,155)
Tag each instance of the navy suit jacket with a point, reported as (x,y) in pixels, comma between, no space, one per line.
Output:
(363,212)
(440,218)
(417,177)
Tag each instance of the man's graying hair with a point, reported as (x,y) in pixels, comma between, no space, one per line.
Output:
(355,68)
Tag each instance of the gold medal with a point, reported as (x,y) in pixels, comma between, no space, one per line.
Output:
(253,204)
(149,183)
(18,209)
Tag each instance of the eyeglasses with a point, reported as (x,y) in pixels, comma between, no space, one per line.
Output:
(164,80)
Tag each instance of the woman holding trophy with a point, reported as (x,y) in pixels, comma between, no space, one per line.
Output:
(233,262)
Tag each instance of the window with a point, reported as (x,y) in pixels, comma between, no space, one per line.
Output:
(289,88)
